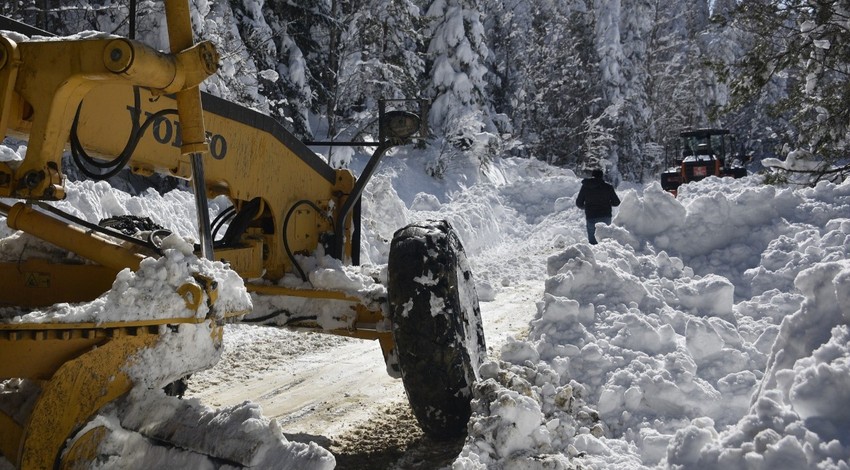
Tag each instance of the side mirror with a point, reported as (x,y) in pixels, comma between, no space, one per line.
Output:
(400,125)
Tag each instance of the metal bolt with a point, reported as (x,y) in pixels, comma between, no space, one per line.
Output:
(118,55)
(209,57)
(33,178)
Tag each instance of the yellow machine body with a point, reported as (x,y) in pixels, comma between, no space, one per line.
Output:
(248,157)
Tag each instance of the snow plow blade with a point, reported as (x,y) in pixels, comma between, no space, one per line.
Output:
(81,401)
(81,368)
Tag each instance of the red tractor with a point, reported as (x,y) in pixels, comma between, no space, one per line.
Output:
(701,153)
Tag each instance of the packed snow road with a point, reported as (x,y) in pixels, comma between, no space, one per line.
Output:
(336,391)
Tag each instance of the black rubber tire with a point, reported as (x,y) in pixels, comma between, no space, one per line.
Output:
(439,338)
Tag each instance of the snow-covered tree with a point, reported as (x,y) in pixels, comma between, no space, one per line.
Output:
(611,60)
(242,40)
(633,116)
(806,43)
(557,102)
(508,23)
(460,111)
(281,74)
(381,60)
(357,52)
(675,71)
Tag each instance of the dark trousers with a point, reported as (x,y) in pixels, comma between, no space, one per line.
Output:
(591,227)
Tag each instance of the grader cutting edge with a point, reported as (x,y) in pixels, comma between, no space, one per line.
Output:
(118,103)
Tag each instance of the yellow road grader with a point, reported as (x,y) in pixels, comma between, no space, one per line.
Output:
(117,103)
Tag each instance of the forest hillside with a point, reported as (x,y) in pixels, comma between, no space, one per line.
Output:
(577,83)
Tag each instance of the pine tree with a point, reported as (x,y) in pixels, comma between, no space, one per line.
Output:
(565,104)
(508,24)
(457,53)
(633,115)
(806,45)
(242,43)
(676,97)
(604,138)
(381,61)
(283,77)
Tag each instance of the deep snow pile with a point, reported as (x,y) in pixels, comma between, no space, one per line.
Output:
(708,331)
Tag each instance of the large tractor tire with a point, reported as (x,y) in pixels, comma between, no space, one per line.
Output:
(437,327)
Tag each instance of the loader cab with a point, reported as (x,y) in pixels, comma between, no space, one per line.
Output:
(703,153)
(705,142)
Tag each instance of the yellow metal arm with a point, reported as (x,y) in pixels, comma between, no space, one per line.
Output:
(45,81)
(189,98)
(99,90)
(87,245)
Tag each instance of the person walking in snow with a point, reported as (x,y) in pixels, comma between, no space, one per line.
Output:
(596,197)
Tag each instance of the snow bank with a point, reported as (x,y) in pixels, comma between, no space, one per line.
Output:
(708,331)
(799,416)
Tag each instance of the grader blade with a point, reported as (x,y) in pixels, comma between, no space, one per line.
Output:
(79,388)
(75,390)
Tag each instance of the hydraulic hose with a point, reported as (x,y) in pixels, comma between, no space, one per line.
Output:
(221,219)
(112,167)
(285,238)
(149,244)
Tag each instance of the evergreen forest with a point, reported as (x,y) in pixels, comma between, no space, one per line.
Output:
(577,83)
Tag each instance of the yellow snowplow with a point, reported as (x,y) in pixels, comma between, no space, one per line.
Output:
(66,352)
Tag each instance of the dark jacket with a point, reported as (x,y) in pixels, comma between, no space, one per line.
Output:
(596,198)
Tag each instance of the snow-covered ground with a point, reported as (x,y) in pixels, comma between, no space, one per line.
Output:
(706,331)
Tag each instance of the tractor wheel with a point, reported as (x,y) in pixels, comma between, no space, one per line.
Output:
(437,327)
